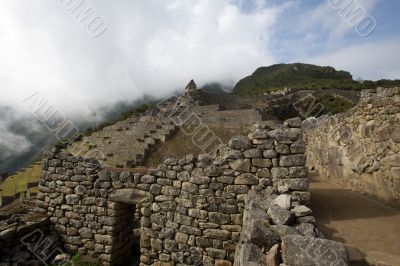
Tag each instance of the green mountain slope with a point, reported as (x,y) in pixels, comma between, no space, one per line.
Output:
(295,76)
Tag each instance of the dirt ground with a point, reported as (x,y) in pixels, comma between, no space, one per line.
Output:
(357,221)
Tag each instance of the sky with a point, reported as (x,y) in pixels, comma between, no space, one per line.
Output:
(149,47)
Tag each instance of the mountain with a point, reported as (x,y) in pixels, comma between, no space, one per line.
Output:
(295,76)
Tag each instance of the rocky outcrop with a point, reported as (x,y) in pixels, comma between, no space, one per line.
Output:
(360,148)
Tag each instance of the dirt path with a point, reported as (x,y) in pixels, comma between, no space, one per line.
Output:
(357,221)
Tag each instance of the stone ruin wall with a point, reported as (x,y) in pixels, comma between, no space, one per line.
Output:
(360,149)
(191,209)
(197,212)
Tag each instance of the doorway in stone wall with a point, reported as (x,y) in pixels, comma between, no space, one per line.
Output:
(126,234)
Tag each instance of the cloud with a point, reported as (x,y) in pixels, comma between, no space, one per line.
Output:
(11,143)
(149,47)
(372,60)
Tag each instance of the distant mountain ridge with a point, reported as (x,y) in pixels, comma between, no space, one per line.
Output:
(302,76)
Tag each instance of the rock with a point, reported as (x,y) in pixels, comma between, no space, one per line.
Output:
(391,160)
(148,179)
(283,189)
(219,218)
(293,122)
(204,158)
(270,154)
(283,135)
(72,199)
(279,172)
(104,175)
(253,153)
(250,255)
(213,170)
(171,161)
(395,172)
(246,179)
(293,160)
(263,173)
(60,259)
(258,233)
(306,229)
(284,230)
(131,196)
(279,215)
(239,143)
(284,201)
(242,165)
(273,256)
(80,190)
(309,123)
(301,250)
(301,210)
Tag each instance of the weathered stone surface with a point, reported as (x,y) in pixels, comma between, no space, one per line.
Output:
(242,165)
(301,210)
(258,233)
(279,215)
(273,256)
(250,255)
(253,153)
(293,122)
(283,201)
(301,250)
(285,134)
(131,196)
(279,172)
(239,143)
(284,230)
(246,179)
(293,160)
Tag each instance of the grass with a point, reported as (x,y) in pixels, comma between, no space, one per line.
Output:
(17,183)
(181,144)
(80,260)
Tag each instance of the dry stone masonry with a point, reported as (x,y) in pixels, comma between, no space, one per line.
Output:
(360,149)
(246,197)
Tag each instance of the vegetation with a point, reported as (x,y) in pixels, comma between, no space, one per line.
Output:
(181,144)
(322,104)
(135,110)
(214,88)
(17,183)
(302,76)
(80,260)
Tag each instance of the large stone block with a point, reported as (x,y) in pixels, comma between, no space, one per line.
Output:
(246,179)
(293,160)
(131,196)
(301,250)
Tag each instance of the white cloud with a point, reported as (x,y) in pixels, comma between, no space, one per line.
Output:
(373,60)
(10,142)
(332,22)
(150,47)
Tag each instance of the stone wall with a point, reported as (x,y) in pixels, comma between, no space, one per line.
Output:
(360,148)
(196,215)
(190,209)
(85,209)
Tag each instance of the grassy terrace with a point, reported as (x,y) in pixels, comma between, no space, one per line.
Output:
(17,183)
(181,144)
